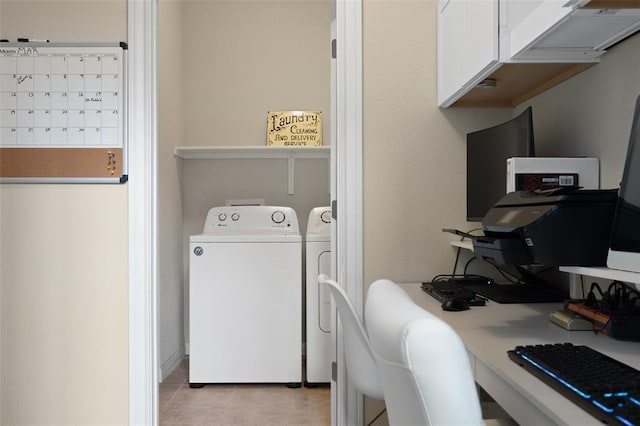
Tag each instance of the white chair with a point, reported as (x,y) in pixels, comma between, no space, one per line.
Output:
(421,360)
(361,364)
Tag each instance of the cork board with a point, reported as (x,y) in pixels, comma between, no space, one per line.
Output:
(62,112)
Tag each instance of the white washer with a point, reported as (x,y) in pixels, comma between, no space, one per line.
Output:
(245,299)
(318,299)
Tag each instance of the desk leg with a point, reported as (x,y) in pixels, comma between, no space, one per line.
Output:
(575,287)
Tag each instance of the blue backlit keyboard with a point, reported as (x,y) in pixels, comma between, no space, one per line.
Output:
(608,389)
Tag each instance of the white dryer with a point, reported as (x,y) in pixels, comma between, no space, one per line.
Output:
(318,299)
(245,297)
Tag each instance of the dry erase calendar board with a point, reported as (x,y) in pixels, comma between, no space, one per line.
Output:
(62,112)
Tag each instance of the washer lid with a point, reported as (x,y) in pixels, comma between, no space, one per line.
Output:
(317,238)
(252,220)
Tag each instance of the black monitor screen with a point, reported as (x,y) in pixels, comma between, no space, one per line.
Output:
(487,153)
(625,235)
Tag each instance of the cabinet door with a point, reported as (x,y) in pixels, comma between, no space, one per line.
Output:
(467,46)
(544,16)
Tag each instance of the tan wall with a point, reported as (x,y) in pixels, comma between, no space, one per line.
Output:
(414,152)
(244,58)
(240,60)
(170,248)
(63,265)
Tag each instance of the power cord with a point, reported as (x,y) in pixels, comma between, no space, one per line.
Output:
(512,278)
(617,300)
(455,262)
(466,265)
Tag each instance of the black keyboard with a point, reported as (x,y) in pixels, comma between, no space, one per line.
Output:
(445,289)
(608,389)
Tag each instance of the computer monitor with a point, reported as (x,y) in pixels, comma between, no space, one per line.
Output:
(487,153)
(624,248)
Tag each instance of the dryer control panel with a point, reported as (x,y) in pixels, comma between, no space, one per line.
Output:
(319,222)
(251,220)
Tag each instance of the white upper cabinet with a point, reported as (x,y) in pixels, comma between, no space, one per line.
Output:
(468,46)
(525,46)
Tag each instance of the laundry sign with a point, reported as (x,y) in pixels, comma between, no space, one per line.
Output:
(294,128)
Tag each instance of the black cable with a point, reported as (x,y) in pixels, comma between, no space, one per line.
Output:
(466,265)
(594,285)
(511,278)
(514,279)
(618,301)
(446,277)
(455,263)
(623,300)
(464,271)
(544,270)
(591,299)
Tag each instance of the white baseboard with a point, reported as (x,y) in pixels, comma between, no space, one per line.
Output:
(170,364)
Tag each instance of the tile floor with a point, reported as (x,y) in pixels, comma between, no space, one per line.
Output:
(240,404)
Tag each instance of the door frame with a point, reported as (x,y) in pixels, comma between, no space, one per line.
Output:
(347,190)
(142,210)
(143,190)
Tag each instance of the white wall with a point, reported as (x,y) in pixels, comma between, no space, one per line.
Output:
(63,264)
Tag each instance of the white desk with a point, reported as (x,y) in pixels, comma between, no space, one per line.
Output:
(488,332)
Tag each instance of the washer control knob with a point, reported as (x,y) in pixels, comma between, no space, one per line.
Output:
(222,217)
(235,216)
(198,251)
(326,216)
(278,216)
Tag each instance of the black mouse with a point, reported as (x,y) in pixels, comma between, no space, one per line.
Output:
(455,304)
